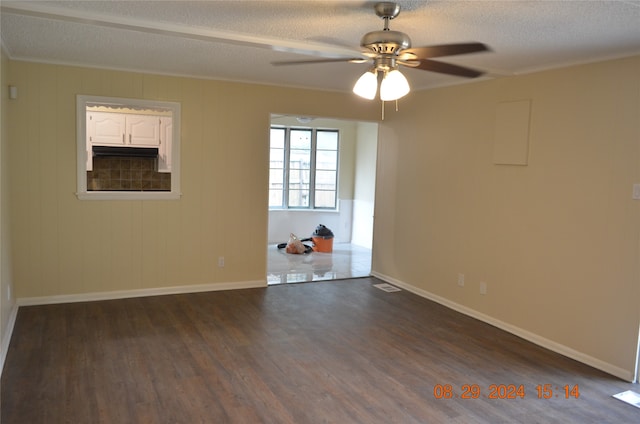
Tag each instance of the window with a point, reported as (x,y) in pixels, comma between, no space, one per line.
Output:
(127,149)
(303,171)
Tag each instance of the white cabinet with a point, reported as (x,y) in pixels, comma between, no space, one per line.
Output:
(105,129)
(143,130)
(164,155)
(109,129)
(130,130)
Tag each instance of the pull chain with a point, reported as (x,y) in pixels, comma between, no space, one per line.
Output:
(383,108)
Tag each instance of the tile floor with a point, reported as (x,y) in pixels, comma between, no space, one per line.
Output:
(346,261)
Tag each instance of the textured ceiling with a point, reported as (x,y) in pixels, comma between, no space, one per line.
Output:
(238,40)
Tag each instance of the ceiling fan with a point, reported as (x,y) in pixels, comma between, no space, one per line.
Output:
(389,50)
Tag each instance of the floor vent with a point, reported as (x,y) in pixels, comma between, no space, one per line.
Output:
(387,287)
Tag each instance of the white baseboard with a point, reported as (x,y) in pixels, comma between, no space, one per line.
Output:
(527,335)
(4,347)
(124,294)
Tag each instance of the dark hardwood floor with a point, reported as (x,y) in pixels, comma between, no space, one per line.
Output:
(330,352)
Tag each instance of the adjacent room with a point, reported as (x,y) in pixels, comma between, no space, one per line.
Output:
(331,215)
(482,157)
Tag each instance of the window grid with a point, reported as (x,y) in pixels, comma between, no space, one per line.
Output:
(303,168)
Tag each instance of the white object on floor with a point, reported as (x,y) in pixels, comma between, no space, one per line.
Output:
(629,397)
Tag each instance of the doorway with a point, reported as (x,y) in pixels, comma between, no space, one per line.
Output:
(351,221)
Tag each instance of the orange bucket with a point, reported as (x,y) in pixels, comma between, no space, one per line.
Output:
(323,244)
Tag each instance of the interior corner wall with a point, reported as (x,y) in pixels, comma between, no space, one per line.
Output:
(63,246)
(556,241)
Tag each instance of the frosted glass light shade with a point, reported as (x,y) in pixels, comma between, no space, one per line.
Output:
(367,85)
(393,86)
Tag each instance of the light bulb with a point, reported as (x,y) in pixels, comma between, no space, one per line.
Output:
(367,85)
(393,86)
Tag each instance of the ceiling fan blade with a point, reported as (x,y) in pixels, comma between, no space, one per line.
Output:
(443,50)
(445,68)
(312,61)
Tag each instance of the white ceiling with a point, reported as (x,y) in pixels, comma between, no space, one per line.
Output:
(238,40)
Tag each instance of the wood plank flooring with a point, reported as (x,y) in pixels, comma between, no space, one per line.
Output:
(329,352)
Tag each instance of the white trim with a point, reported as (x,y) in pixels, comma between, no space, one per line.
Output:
(124,294)
(8,332)
(127,195)
(527,335)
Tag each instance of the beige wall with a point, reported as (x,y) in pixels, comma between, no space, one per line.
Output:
(7,303)
(64,246)
(556,242)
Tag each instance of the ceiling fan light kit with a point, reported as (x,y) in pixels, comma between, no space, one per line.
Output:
(393,86)
(367,85)
(384,46)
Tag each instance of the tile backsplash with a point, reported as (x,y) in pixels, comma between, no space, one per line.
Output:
(126,174)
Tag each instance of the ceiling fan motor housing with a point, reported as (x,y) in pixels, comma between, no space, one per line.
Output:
(386,42)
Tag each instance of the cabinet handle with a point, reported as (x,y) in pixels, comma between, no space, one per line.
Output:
(123,142)
(129,138)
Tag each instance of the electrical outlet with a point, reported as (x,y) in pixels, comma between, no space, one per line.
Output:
(461,280)
(483,287)
(220,261)
(636,192)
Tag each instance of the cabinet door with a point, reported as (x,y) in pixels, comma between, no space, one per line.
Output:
(143,130)
(105,128)
(166,133)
